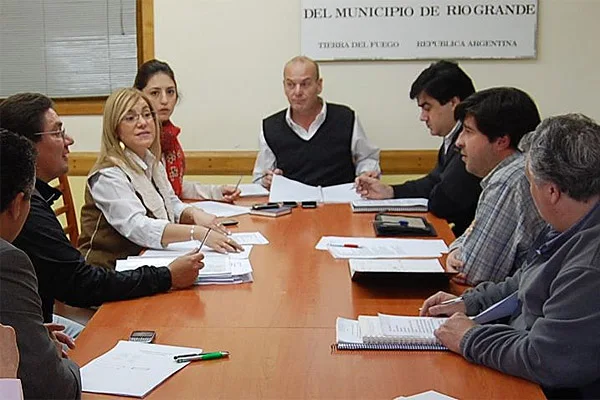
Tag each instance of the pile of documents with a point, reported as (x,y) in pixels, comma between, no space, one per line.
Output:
(284,189)
(219,269)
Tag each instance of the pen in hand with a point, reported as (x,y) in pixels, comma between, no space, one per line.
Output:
(259,178)
(237,185)
(451,301)
(203,240)
(201,356)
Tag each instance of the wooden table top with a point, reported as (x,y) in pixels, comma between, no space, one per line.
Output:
(279,329)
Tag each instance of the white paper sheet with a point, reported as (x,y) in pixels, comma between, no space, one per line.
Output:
(132,368)
(382,247)
(285,189)
(181,248)
(428,395)
(221,209)
(252,190)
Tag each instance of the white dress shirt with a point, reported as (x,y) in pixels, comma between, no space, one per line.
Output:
(115,197)
(365,155)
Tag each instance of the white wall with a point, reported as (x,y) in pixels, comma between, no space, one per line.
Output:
(228,57)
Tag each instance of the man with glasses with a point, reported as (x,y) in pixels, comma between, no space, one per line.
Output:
(312,141)
(61,270)
(20,305)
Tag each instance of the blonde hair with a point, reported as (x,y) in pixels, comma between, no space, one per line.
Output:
(119,103)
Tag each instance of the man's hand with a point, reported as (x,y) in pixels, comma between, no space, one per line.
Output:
(55,331)
(372,188)
(371,174)
(454,260)
(9,353)
(432,307)
(268,179)
(184,269)
(453,330)
(230,193)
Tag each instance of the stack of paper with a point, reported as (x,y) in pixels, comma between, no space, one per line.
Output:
(428,395)
(132,368)
(284,189)
(362,247)
(230,268)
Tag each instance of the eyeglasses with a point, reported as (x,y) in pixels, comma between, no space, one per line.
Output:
(57,134)
(132,118)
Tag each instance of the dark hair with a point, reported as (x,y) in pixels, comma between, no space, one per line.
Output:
(150,68)
(443,80)
(499,112)
(23,113)
(17,167)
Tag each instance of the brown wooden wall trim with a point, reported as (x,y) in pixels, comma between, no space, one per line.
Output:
(393,162)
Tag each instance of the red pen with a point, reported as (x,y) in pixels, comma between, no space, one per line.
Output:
(350,245)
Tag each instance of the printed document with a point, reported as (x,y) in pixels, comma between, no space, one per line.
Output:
(132,368)
(407,265)
(284,189)
(362,247)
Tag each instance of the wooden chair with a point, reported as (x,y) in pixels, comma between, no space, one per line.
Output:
(68,209)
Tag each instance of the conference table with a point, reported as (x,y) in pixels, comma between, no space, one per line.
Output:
(280,328)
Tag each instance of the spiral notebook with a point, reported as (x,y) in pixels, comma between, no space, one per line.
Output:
(387,332)
(400,205)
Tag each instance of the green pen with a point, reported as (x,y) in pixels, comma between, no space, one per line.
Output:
(201,356)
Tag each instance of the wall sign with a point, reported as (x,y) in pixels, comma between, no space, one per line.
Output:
(418,29)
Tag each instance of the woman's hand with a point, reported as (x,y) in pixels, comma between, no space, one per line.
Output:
(230,193)
(207,220)
(222,244)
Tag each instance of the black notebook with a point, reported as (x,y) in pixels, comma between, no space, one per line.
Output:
(402,225)
(387,332)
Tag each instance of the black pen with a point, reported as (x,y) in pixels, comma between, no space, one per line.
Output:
(259,178)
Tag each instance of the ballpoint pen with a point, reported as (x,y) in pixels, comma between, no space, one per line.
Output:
(237,185)
(259,178)
(451,301)
(204,240)
(350,245)
(201,356)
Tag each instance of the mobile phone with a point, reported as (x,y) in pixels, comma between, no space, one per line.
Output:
(309,204)
(229,222)
(290,204)
(142,336)
(264,206)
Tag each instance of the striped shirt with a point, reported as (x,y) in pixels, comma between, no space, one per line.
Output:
(506,224)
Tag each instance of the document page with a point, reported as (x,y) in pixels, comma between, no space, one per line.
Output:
(347,331)
(412,327)
(285,189)
(344,193)
(132,368)
(407,265)
(362,247)
(221,209)
(252,190)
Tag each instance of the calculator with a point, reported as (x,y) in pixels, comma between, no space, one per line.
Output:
(142,336)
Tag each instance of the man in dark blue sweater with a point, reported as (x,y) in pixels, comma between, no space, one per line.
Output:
(452,191)
(313,142)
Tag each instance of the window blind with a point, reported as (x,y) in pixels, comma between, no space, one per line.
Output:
(67,48)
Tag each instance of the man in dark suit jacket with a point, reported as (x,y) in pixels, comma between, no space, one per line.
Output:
(44,369)
(451,190)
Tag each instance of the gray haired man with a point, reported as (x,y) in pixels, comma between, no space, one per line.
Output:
(551,336)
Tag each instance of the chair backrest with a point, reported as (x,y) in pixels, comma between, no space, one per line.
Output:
(68,209)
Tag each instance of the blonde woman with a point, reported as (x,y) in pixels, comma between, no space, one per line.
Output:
(129,202)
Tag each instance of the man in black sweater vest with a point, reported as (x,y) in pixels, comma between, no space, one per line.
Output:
(313,142)
(452,191)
